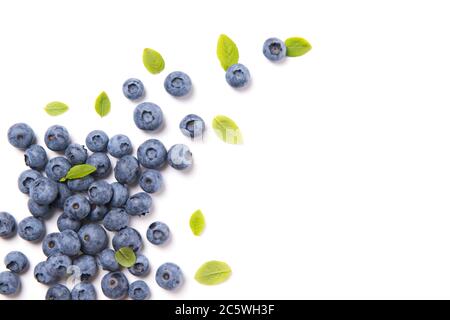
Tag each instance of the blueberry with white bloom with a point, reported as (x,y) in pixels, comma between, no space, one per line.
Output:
(43,190)
(84,291)
(58,265)
(151,181)
(141,267)
(26,178)
(139,204)
(87,266)
(39,210)
(274,49)
(115,285)
(69,243)
(77,207)
(116,219)
(9,283)
(119,146)
(133,89)
(93,238)
(76,153)
(179,157)
(127,170)
(192,126)
(31,229)
(237,75)
(57,138)
(148,116)
(100,161)
(169,276)
(178,84)
(36,157)
(107,260)
(120,195)
(158,233)
(66,222)
(21,136)
(42,275)
(58,292)
(139,290)
(16,262)
(127,237)
(57,168)
(97,141)
(51,244)
(100,192)
(80,185)
(8,225)
(97,213)
(152,154)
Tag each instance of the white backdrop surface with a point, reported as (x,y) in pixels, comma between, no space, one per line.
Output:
(341,187)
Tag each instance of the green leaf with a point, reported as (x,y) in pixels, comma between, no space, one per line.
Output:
(227,130)
(197,222)
(125,257)
(227,52)
(102,104)
(153,61)
(56,108)
(297,47)
(213,272)
(79,171)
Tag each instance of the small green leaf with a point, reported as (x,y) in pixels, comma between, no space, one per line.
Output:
(102,104)
(125,257)
(197,222)
(213,272)
(79,171)
(227,52)
(153,61)
(56,108)
(297,47)
(227,130)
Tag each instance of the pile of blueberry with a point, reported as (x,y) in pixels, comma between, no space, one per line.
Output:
(89,205)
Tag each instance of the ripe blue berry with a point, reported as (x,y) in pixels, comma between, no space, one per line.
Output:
(127,170)
(148,116)
(237,75)
(152,154)
(97,141)
(16,262)
(58,292)
(133,89)
(141,267)
(139,290)
(101,162)
(192,126)
(43,191)
(178,84)
(107,260)
(179,157)
(93,238)
(8,225)
(274,49)
(21,136)
(9,283)
(84,291)
(116,219)
(139,204)
(169,276)
(120,195)
(115,285)
(26,178)
(57,168)
(77,207)
(100,192)
(31,229)
(151,181)
(127,237)
(36,157)
(57,138)
(76,154)
(158,233)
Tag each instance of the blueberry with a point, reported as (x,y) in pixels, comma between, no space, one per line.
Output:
(57,138)
(66,222)
(148,116)
(42,275)
(43,190)
(179,157)
(80,185)
(119,146)
(63,193)
(107,260)
(8,225)
(9,283)
(158,233)
(69,243)
(141,267)
(58,292)
(152,154)
(58,265)
(16,261)
(139,290)
(77,207)
(39,210)
(21,136)
(139,204)
(26,178)
(93,238)
(57,168)
(151,181)
(101,162)
(127,237)
(169,276)
(115,285)
(36,157)
(97,141)
(87,267)
(84,291)
(31,229)
(116,219)
(51,244)
(178,84)
(237,75)
(127,170)
(192,126)
(120,195)
(100,192)
(133,89)
(274,49)
(76,153)
(97,213)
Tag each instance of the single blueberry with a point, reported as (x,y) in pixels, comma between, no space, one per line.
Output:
(63,193)
(43,190)
(237,75)
(119,146)
(116,220)
(192,126)
(139,204)
(66,222)
(26,178)
(57,168)
(16,261)
(21,136)
(57,138)
(42,275)
(58,292)
(120,195)
(274,49)
(133,89)
(152,154)
(100,192)
(97,213)
(179,157)
(39,210)
(86,267)
(127,170)
(107,260)
(58,265)
(36,157)
(101,162)
(80,185)
(31,229)
(169,276)
(84,291)
(51,244)
(141,267)
(77,207)
(115,285)
(158,233)
(97,141)
(151,181)
(148,116)
(76,153)
(127,237)
(8,225)
(9,283)
(139,290)
(178,84)
(69,243)
(93,238)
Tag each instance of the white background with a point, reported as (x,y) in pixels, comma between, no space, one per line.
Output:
(341,189)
